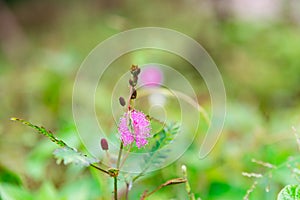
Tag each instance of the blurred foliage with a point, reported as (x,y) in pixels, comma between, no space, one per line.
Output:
(43,44)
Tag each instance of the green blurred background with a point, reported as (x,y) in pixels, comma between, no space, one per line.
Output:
(255,44)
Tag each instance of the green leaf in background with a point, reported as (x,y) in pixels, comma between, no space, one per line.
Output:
(47,191)
(7,176)
(70,155)
(14,192)
(289,192)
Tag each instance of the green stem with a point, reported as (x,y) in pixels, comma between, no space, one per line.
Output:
(126,155)
(127,190)
(102,170)
(120,155)
(187,184)
(115,188)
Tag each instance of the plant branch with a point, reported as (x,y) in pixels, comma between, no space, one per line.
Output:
(102,170)
(169,182)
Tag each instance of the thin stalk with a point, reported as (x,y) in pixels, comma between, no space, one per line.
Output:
(169,182)
(157,120)
(129,107)
(129,99)
(120,155)
(126,155)
(102,170)
(187,184)
(127,191)
(115,188)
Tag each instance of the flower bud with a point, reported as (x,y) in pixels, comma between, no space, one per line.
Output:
(122,101)
(133,69)
(104,144)
(131,83)
(134,94)
(138,71)
(135,79)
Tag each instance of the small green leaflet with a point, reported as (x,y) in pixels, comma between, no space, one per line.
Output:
(70,155)
(161,139)
(42,131)
(155,155)
(289,192)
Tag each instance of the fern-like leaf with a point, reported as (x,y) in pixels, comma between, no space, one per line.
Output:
(289,192)
(156,154)
(42,131)
(66,153)
(160,140)
(70,155)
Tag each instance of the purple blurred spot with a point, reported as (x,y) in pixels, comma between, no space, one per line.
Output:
(151,76)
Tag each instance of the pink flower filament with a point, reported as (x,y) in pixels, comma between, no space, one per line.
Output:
(134,126)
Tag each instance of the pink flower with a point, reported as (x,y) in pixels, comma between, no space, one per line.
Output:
(134,126)
(151,77)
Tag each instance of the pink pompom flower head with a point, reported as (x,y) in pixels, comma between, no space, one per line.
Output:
(134,126)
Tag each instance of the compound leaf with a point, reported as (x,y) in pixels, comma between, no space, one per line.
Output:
(289,192)
(69,155)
